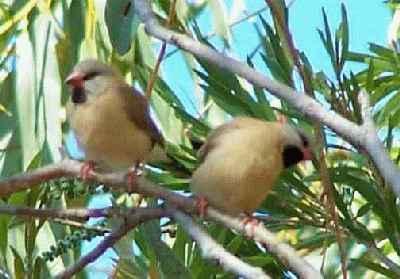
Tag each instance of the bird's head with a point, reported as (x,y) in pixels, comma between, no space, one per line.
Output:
(89,77)
(296,146)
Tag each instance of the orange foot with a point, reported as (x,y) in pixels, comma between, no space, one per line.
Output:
(201,205)
(249,224)
(86,170)
(133,173)
(281,118)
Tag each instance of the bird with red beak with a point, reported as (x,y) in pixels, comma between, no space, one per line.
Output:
(110,119)
(241,161)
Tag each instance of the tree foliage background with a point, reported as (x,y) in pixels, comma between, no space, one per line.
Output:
(40,41)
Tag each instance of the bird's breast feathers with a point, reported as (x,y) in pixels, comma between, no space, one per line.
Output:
(240,169)
(106,134)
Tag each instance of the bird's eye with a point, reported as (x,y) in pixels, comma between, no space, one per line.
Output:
(305,142)
(91,75)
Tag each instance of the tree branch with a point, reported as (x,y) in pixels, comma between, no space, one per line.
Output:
(305,104)
(373,249)
(82,225)
(27,180)
(139,216)
(374,147)
(71,168)
(78,214)
(214,251)
(366,111)
(285,253)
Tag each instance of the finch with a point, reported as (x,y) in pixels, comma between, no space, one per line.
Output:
(111,120)
(241,161)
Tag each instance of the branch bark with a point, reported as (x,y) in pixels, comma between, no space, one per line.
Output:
(284,252)
(214,251)
(78,214)
(140,215)
(71,168)
(357,135)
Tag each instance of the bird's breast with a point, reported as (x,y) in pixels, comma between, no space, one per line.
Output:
(237,182)
(106,134)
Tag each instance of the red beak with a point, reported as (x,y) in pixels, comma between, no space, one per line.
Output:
(307,154)
(75,79)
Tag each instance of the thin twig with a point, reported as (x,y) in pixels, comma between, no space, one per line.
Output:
(161,54)
(329,188)
(141,215)
(80,225)
(79,214)
(73,217)
(231,25)
(214,251)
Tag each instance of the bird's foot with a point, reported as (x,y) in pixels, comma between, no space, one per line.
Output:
(322,197)
(133,173)
(250,224)
(87,170)
(281,118)
(201,205)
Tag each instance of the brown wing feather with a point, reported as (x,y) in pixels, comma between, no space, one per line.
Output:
(213,139)
(138,111)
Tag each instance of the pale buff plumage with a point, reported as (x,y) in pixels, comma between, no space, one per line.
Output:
(241,162)
(113,125)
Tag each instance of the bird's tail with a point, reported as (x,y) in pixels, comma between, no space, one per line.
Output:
(159,154)
(177,159)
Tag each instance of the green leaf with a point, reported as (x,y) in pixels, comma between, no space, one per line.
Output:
(122,24)
(344,30)
(375,267)
(382,52)
(326,38)
(220,20)
(363,210)
(19,269)
(168,262)
(37,268)
(181,244)
(129,269)
(316,241)
(46,237)
(259,260)
(275,52)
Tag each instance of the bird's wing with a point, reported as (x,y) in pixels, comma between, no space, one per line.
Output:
(138,112)
(213,139)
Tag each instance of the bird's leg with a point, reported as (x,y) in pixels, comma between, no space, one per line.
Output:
(132,176)
(201,205)
(86,170)
(249,224)
(281,118)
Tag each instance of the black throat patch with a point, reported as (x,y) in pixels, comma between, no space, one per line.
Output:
(291,155)
(78,95)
